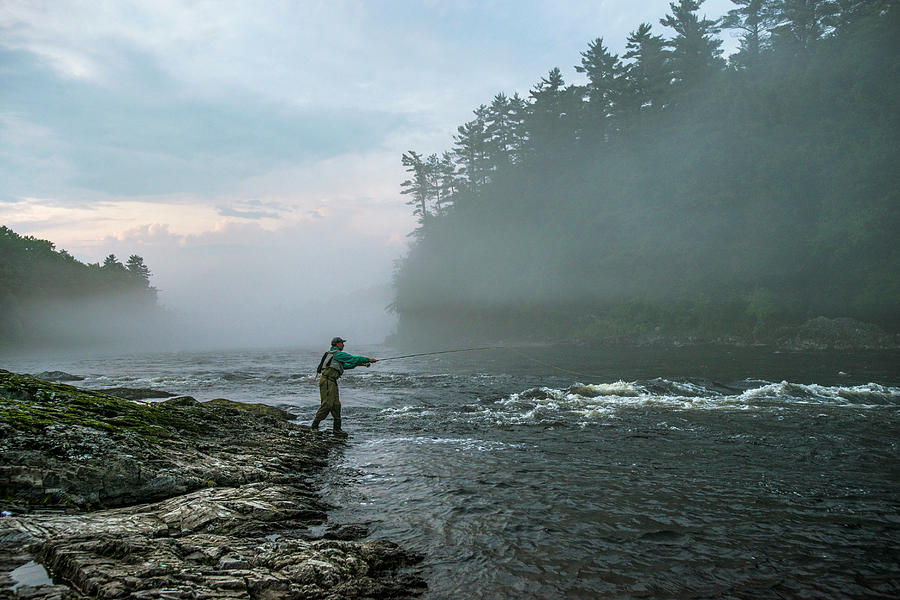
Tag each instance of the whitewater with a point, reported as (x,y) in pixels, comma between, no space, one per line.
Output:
(594,472)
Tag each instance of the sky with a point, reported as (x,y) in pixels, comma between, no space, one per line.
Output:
(250,151)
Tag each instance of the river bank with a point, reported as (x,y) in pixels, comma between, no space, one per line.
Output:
(815,334)
(173,499)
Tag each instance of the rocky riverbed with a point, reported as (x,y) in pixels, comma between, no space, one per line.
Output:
(173,499)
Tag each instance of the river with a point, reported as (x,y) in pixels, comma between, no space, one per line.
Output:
(561,471)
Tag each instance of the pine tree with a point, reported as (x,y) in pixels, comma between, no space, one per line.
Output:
(418,186)
(503,126)
(848,12)
(138,269)
(604,71)
(648,75)
(754,19)
(695,51)
(552,114)
(470,146)
(449,179)
(441,174)
(111,263)
(518,110)
(799,23)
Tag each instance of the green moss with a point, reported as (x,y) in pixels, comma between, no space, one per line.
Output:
(259,409)
(28,404)
(31,404)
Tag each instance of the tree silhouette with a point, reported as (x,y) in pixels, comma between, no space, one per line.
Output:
(648,75)
(695,51)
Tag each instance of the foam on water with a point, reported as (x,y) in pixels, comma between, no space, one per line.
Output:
(458,444)
(593,403)
(861,396)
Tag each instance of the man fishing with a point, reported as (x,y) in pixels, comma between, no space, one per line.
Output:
(331,367)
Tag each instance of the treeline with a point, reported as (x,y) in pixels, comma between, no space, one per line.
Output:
(674,191)
(44,292)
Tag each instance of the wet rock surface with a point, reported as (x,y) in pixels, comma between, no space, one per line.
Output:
(58,376)
(178,499)
(136,393)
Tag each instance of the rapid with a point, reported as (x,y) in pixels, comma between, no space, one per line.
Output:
(559,471)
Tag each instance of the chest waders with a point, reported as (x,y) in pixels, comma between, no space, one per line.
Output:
(328,392)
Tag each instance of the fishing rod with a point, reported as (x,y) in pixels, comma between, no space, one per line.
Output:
(511,349)
(441,352)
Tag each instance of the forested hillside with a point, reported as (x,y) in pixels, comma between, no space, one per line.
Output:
(675,191)
(47,296)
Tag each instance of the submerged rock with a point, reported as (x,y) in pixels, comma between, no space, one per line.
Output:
(58,376)
(175,499)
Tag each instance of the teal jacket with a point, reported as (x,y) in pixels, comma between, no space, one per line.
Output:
(348,360)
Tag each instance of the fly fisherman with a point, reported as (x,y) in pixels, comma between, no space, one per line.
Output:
(331,367)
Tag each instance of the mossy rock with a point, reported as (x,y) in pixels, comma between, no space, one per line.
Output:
(28,404)
(255,408)
(183,401)
(58,376)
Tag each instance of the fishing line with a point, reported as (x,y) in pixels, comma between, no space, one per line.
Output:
(513,350)
(441,352)
(546,364)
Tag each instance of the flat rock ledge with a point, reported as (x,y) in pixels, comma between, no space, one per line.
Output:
(175,499)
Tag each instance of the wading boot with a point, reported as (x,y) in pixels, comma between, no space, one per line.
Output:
(315,425)
(337,429)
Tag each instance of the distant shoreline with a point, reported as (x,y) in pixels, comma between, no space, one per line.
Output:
(818,334)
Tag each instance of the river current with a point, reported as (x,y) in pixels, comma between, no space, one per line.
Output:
(569,472)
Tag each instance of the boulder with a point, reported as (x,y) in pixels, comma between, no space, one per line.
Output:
(58,376)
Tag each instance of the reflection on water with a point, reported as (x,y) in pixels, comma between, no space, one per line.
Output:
(30,574)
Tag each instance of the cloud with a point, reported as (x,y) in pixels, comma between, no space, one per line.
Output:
(251,152)
(149,234)
(246,214)
(127,99)
(148,139)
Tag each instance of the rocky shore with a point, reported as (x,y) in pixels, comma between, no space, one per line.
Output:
(173,499)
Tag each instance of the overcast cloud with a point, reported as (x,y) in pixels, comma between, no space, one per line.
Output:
(250,152)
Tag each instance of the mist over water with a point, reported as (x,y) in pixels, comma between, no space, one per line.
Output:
(672,191)
(293,321)
(205,320)
(284,288)
(652,197)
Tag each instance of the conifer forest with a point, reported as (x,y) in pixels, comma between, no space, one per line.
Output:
(674,190)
